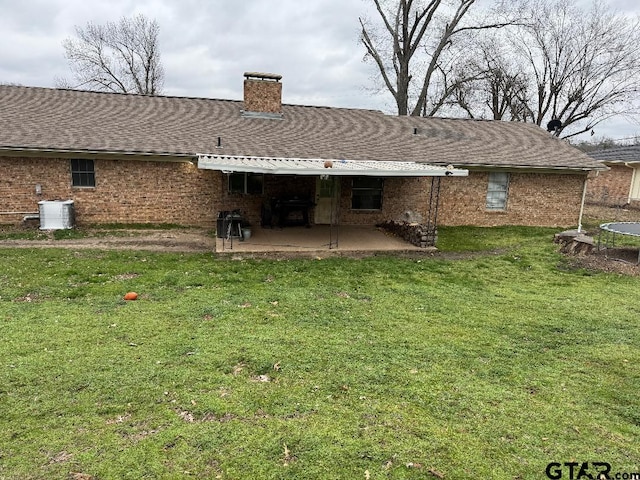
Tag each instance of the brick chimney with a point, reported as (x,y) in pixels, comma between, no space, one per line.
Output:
(262,93)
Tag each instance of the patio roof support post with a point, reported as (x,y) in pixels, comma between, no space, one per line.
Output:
(584,196)
(334,217)
(432,215)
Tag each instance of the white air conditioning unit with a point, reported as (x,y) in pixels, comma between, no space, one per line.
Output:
(56,214)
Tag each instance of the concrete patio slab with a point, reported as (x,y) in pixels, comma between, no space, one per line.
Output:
(318,238)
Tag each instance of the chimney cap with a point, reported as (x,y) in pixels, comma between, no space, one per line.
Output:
(263,76)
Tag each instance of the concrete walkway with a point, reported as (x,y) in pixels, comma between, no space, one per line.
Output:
(318,238)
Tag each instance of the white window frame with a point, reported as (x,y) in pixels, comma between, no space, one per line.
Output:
(497,191)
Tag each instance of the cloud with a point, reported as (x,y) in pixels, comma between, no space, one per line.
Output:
(313,45)
(207,45)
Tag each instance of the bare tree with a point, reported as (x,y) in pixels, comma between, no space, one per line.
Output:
(498,87)
(575,67)
(414,50)
(116,57)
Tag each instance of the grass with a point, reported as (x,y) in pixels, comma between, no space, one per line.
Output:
(11,233)
(477,239)
(384,367)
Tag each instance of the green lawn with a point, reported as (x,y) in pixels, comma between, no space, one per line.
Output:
(490,366)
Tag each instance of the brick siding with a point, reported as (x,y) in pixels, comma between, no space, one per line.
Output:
(611,187)
(126,191)
(18,185)
(535,199)
(401,195)
(141,191)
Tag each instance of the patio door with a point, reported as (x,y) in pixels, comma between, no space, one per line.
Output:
(327,198)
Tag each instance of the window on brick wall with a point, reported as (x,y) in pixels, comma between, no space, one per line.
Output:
(82,173)
(250,183)
(366,193)
(497,191)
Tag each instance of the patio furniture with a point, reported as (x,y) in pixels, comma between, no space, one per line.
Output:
(229,226)
(283,208)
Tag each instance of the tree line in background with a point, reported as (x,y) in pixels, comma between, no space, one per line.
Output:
(547,62)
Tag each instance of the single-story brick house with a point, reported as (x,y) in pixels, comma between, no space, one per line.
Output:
(132,158)
(620,185)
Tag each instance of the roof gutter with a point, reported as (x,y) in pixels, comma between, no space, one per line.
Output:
(179,157)
(528,167)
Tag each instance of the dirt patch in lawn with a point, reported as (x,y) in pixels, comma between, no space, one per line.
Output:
(189,240)
(620,260)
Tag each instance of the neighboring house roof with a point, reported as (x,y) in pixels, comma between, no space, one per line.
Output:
(58,120)
(629,154)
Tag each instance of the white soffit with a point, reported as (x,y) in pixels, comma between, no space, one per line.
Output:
(316,167)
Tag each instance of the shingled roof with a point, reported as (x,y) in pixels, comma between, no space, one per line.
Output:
(58,120)
(628,154)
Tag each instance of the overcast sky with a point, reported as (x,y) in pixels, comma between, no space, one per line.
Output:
(207,45)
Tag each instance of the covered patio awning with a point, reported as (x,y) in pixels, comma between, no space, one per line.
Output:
(317,167)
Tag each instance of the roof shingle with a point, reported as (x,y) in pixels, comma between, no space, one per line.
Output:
(627,154)
(35,118)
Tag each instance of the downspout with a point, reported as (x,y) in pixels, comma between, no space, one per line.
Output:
(633,180)
(584,195)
